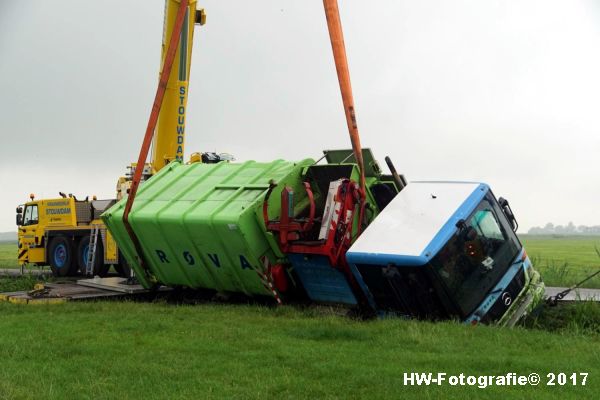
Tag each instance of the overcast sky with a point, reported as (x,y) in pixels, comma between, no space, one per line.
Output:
(504,92)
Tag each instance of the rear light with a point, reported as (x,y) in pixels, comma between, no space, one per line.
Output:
(524,256)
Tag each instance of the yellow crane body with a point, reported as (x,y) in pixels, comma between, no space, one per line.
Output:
(169,139)
(56,232)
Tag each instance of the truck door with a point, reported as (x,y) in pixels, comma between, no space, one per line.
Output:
(29,236)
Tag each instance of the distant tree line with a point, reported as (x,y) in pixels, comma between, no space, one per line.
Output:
(569,229)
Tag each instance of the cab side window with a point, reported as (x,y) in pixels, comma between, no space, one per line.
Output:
(486,224)
(34,215)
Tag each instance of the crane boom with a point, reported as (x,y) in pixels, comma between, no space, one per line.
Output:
(169,57)
(169,137)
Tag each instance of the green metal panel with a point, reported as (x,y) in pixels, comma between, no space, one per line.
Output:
(200,225)
(372,168)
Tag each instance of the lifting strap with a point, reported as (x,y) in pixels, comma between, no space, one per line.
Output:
(553,300)
(336,36)
(160,93)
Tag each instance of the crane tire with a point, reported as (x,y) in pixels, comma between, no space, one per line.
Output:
(60,255)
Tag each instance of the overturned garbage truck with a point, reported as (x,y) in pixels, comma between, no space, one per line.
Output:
(306,230)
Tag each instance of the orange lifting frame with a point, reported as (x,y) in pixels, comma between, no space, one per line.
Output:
(160,93)
(338,46)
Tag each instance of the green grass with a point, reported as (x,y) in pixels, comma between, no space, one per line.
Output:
(564,260)
(132,350)
(579,317)
(8,255)
(26,282)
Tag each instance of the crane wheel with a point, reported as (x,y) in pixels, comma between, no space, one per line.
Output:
(99,269)
(60,255)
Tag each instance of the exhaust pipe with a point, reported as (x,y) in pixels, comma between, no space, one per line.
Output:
(399,179)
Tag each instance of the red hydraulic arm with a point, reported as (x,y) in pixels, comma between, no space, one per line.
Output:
(160,92)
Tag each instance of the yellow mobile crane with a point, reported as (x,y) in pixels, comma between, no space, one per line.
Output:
(67,233)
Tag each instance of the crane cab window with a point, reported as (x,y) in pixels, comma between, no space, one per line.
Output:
(31,215)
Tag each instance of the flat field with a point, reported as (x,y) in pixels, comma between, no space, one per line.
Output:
(8,255)
(564,260)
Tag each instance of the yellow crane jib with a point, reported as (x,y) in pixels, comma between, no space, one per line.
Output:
(169,139)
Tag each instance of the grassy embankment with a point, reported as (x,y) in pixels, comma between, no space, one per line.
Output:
(158,350)
(164,350)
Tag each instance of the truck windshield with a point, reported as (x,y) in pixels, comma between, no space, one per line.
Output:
(31,215)
(477,256)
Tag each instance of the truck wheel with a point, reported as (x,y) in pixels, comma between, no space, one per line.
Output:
(60,254)
(83,250)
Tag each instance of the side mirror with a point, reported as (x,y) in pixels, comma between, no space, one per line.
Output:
(510,216)
(19,220)
(19,210)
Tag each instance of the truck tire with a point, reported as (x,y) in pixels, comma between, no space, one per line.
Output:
(60,255)
(100,269)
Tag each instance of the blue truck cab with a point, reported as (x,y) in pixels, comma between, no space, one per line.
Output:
(443,250)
